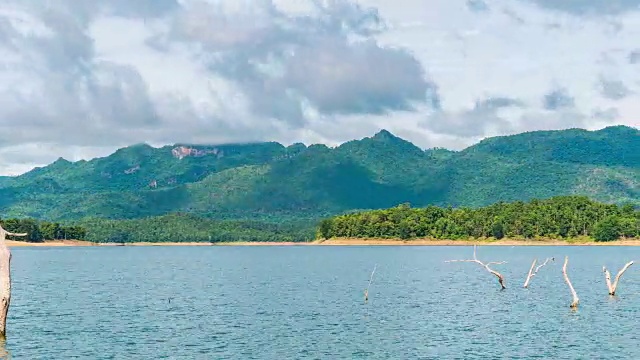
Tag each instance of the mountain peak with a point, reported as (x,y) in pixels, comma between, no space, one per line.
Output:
(620,130)
(62,160)
(139,149)
(381,142)
(384,135)
(141,145)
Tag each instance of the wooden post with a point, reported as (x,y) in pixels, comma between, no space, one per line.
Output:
(501,280)
(607,277)
(5,279)
(576,300)
(534,270)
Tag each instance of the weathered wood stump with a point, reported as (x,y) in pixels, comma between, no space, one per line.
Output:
(607,276)
(576,300)
(5,279)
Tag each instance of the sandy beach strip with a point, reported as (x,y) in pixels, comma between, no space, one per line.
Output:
(348,242)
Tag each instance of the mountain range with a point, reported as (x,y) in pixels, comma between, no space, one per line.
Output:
(271,181)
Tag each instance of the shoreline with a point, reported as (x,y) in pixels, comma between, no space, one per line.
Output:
(346,242)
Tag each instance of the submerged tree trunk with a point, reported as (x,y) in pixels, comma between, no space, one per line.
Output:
(366,291)
(534,270)
(501,280)
(576,300)
(5,279)
(530,274)
(607,276)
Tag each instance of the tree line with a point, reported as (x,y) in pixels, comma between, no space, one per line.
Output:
(561,217)
(38,231)
(175,227)
(180,227)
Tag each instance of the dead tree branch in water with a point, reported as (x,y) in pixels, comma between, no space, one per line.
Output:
(5,279)
(607,277)
(576,300)
(534,270)
(485,266)
(366,291)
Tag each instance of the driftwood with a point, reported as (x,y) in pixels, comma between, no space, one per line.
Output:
(485,266)
(5,279)
(534,270)
(607,277)
(576,300)
(366,291)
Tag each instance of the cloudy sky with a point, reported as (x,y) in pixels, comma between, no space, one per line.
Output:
(80,78)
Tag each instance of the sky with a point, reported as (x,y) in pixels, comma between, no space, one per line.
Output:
(81,78)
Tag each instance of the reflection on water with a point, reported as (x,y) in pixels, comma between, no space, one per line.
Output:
(4,353)
(306,302)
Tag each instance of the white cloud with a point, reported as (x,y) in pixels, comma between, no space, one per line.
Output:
(589,7)
(306,70)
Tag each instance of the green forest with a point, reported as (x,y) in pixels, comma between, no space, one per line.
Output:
(192,228)
(38,231)
(562,217)
(168,228)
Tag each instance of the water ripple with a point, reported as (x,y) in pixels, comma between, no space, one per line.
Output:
(293,303)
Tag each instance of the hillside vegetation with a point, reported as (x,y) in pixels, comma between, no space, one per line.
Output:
(562,217)
(271,183)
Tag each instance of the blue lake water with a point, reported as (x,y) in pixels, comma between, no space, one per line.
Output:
(307,303)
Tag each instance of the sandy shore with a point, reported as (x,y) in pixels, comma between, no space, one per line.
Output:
(350,242)
(62,243)
(503,242)
(56,243)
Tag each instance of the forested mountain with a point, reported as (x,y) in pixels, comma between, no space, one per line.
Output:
(268,181)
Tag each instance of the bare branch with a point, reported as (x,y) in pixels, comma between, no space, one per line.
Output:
(615,282)
(576,300)
(366,291)
(607,276)
(546,261)
(500,277)
(15,234)
(534,270)
(473,261)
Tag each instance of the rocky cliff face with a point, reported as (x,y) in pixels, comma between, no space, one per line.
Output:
(181,152)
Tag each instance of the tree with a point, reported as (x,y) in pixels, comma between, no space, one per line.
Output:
(73,232)
(627,210)
(50,231)
(629,227)
(497,229)
(404,230)
(119,237)
(325,228)
(607,229)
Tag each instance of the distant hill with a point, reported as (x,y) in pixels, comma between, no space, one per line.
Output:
(271,181)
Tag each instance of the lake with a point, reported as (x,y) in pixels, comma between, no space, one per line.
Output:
(307,303)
